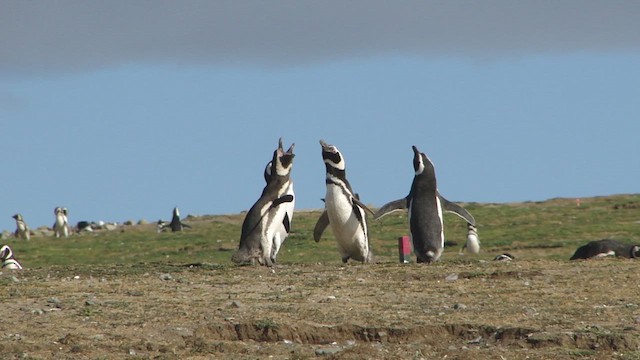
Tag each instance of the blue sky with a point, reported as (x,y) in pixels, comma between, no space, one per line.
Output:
(124,111)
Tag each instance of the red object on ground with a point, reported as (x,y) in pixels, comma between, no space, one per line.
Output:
(404,248)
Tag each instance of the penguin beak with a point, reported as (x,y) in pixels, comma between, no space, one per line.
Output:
(290,151)
(415,150)
(327,147)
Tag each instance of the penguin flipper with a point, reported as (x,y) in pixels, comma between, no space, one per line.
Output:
(456,209)
(356,201)
(321,225)
(400,204)
(185,225)
(281,200)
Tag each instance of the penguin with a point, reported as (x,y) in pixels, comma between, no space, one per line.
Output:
(282,232)
(22,229)
(8,261)
(425,205)
(161,226)
(344,211)
(504,257)
(473,242)
(267,215)
(606,247)
(61,226)
(176,224)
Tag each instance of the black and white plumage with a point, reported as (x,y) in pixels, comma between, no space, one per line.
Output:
(176,224)
(22,229)
(344,212)
(267,215)
(606,247)
(472,244)
(504,257)
(425,205)
(281,232)
(61,226)
(8,261)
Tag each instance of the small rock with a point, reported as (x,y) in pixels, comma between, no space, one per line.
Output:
(14,279)
(89,302)
(236,304)
(132,352)
(37,311)
(459,306)
(54,301)
(328,351)
(166,277)
(452,277)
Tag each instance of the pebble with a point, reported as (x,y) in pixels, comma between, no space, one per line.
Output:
(452,277)
(328,351)
(166,277)
(459,306)
(54,300)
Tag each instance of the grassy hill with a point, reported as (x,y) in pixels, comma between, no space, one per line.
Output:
(550,229)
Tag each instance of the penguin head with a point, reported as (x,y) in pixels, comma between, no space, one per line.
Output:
(5,252)
(421,162)
(17,217)
(635,251)
(332,156)
(176,212)
(282,159)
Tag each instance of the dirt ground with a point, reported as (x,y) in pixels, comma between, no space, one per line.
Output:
(466,310)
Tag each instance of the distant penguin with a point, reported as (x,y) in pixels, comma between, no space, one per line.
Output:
(473,242)
(266,216)
(22,229)
(504,257)
(8,261)
(176,224)
(282,232)
(344,211)
(161,225)
(606,247)
(425,206)
(61,226)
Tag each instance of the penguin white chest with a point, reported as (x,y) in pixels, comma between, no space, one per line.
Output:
(344,222)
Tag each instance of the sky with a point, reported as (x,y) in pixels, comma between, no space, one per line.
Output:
(121,110)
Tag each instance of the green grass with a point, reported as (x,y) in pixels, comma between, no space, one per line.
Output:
(551,229)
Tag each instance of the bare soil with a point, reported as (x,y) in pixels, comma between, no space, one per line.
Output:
(469,309)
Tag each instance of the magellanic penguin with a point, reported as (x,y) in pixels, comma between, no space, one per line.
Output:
(344,211)
(22,229)
(266,216)
(282,231)
(606,247)
(425,205)
(8,261)
(176,224)
(472,244)
(61,226)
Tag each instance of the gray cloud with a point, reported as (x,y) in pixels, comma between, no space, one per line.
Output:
(40,37)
